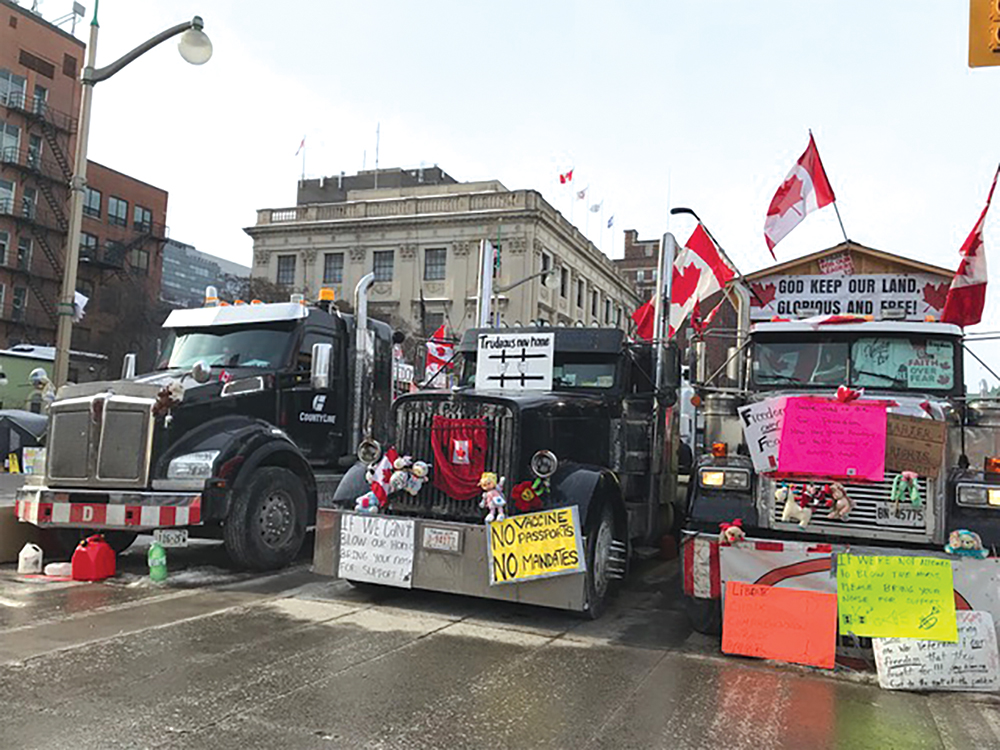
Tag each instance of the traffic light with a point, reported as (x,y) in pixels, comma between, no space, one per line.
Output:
(984,33)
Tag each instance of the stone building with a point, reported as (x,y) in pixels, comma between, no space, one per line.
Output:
(421,238)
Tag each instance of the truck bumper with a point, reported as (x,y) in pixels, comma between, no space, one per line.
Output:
(132,511)
(465,571)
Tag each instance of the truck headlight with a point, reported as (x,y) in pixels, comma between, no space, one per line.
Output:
(192,465)
(724,479)
(369,451)
(978,495)
(544,464)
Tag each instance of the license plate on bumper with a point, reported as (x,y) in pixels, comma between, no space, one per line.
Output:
(171,537)
(905,515)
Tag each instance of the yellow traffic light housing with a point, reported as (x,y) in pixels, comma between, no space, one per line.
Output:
(984,33)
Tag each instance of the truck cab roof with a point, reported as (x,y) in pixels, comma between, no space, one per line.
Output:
(861,326)
(200,317)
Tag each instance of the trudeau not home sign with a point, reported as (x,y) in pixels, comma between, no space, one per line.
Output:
(911,296)
(514,361)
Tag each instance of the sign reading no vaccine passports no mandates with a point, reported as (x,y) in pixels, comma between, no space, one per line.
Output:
(536,545)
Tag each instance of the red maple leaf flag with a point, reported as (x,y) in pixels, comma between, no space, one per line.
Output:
(643,318)
(967,294)
(566,177)
(439,352)
(699,272)
(804,190)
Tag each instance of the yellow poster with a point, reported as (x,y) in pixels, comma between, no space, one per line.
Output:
(892,596)
(536,545)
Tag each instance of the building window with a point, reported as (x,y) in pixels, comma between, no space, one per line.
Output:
(4,244)
(640,275)
(607,311)
(92,202)
(546,265)
(10,142)
(115,252)
(117,211)
(34,154)
(29,202)
(618,316)
(286,270)
(3,297)
(88,246)
(579,293)
(594,299)
(383,260)
(564,282)
(139,260)
(19,302)
(333,268)
(24,253)
(12,89)
(435,261)
(432,321)
(142,218)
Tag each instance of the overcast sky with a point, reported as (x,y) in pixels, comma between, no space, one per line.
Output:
(655,104)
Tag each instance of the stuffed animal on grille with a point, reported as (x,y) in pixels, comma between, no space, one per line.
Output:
(493,500)
(842,503)
(792,511)
(410,480)
(731,533)
(966,543)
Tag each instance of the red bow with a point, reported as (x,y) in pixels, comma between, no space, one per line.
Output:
(736,524)
(846,395)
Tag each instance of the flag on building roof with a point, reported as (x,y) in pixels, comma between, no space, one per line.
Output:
(566,177)
(611,221)
(302,145)
(699,272)
(581,194)
(805,189)
(967,294)
(440,350)
(596,207)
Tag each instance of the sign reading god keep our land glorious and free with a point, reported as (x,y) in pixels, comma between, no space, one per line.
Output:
(514,361)
(536,545)
(971,663)
(376,549)
(897,597)
(905,296)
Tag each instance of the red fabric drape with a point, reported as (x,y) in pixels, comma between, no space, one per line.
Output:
(459,481)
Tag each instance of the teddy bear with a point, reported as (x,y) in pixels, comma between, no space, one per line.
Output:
(411,479)
(792,509)
(966,543)
(731,533)
(842,503)
(492,500)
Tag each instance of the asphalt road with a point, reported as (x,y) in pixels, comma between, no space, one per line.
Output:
(217,659)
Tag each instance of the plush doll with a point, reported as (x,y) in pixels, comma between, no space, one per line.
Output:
(905,487)
(409,476)
(842,504)
(811,495)
(367,503)
(731,533)
(493,500)
(527,495)
(966,543)
(792,510)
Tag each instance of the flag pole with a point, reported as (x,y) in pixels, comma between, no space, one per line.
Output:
(303,159)
(844,231)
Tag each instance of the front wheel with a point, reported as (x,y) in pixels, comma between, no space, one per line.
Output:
(600,546)
(266,525)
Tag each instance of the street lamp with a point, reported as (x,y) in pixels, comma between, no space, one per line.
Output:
(196,48)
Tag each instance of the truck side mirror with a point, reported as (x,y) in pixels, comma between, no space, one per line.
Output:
(671,365)
(128,366)
(398,337)
(319,374)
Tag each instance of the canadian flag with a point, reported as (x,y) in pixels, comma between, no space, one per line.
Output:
(381,475)
(439,353)
(699,272)
(804,190)
(566,177)
(967,294)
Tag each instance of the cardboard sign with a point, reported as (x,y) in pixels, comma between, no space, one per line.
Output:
(762,432)
(514,361)
(971,663)
(894,596)
(785,624)
(536,545)
(377,549)
(914,444)
(824,437)
(841,263)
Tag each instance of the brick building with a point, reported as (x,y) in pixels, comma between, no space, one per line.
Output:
(639,264)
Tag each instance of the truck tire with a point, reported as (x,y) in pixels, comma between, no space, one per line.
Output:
(705,615)
(266,524)
(66,540)
(600,585)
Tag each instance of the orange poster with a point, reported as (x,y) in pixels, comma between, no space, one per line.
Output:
(790,625)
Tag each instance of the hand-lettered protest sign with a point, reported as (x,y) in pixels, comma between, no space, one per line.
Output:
(914,444)
(824,437)
(514,361)
(896,596)
(376,549)
(777,623)
(971,663)
(536,545)
(762,432)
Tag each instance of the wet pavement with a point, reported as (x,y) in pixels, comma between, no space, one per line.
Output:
(217,659)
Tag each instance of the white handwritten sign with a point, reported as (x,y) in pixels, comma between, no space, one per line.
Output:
(762,432)
(970,664)
(377,549)
(514,361)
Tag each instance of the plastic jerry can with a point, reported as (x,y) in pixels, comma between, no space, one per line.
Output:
(30,559)
(93,560)
(157,559)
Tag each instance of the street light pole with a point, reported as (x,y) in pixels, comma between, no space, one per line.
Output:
(194,47)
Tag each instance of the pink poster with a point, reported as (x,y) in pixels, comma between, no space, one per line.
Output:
(826,438)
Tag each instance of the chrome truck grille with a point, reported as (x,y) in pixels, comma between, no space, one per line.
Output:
(99,441)
(863,521)
(413,437)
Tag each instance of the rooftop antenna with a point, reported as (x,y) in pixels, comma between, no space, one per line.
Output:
(78,12)
(378,126)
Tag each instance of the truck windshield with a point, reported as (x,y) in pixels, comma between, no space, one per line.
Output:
(887,362)
(227,346)
(568,371)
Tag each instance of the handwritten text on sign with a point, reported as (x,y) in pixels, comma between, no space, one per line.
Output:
(894,596)
(775,623)
(762,432)
(536,545)
(970,664)
(376,549)
(520,361)
(824,437)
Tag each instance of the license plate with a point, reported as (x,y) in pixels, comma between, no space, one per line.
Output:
(171,537)
(905,515)
(442,540)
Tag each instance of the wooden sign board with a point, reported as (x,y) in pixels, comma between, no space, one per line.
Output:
(914,444)
(790,625)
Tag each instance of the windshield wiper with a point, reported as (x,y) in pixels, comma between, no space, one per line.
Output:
(782,377)
(896,382)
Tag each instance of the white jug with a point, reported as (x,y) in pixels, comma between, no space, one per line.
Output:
(30,559)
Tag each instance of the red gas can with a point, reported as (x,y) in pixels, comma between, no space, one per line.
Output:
(93,560)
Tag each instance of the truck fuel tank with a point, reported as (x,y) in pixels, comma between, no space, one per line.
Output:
(722,424)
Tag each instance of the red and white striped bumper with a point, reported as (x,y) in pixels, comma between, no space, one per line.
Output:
(700,562)
(135,511)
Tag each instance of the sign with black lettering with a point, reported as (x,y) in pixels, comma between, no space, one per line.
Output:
(536,545)
(762,422)
(514,361)
(883,296)
(376,549)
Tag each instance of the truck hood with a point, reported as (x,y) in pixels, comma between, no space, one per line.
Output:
(909,404)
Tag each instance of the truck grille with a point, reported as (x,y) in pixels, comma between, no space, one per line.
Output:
(110,451)
(861,522)
(413,437)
